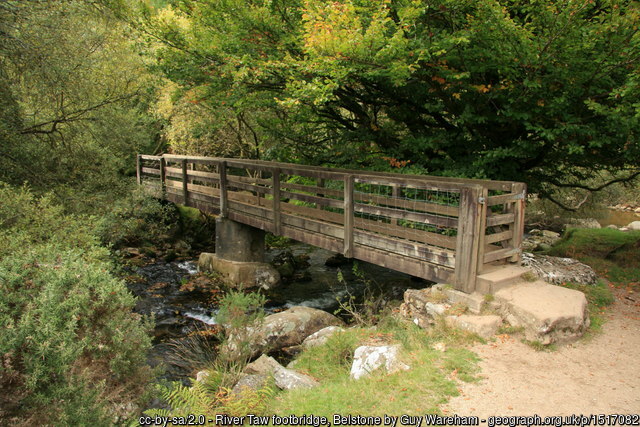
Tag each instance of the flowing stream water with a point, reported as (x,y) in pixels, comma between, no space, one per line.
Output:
(179,310)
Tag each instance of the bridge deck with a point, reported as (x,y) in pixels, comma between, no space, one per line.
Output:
(441,229)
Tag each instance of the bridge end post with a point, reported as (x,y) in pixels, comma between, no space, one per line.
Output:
(468,242)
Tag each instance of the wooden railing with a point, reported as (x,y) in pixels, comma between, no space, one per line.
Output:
(441,229)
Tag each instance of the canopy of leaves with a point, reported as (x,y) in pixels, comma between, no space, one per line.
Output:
(545,92)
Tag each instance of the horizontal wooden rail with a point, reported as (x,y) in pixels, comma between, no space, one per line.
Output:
(436,228)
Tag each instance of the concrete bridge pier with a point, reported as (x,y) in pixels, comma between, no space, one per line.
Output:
(239,256)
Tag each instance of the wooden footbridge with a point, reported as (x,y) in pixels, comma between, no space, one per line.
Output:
(447,230)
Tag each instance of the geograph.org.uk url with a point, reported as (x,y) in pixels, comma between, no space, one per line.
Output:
(568,420)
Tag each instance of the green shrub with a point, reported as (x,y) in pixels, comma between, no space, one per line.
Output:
(137,219)
(70,345)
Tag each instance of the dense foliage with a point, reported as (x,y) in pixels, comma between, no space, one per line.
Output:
(74,98)
(546,92)
(72,352)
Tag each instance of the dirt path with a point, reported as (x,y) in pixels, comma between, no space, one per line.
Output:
(600,375)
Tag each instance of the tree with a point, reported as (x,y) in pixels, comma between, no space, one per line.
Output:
(539,91)
(75,99)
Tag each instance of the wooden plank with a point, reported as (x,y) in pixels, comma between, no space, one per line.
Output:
(233,183)
(315,239)
(366,177)
(163,175)
(312,189)
(415,205)
(151,171)
(277,221)
(518,222)
(250,220)
(257,211)
(313,199)
(139,169)
(498,237)
(348,216)
(467,244)
(412,266)
(148,157)
(308,224)
(493,220)
(503,198)
(421,217)
(482,227)
(185,182)
(409,249)
(500,254)
(224,200)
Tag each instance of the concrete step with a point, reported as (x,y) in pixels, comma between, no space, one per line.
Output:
(499,277)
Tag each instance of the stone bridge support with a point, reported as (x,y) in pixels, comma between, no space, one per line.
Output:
(240,256)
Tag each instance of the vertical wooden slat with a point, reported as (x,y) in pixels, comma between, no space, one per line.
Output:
(484,194)
(139,169)
(163,176)
(348,216)
(185,182)
(277,221)
(467,241)
(518,225)
(224,201)
(319,183)
(395,193)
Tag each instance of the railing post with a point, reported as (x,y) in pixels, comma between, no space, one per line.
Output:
(139,169)
(185,182)
(224,202)
(468,238)
(518,219)
(348,216)
(163,177)
(277,221)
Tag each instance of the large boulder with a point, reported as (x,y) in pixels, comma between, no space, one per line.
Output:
(548,313)
(559,270)
(285,329)
(367,359)
(249,383)
(263,365)
(635,225)
(583,223)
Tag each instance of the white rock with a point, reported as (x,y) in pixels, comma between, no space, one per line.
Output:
(202,375)
(367,359)
(635,225)
(320,337)
(288,379)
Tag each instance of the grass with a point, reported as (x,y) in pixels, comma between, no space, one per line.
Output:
(430,381)
(613,254)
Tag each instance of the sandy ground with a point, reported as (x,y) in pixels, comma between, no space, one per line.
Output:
(597,375)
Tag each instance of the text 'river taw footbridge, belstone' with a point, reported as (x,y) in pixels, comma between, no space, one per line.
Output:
(447,230)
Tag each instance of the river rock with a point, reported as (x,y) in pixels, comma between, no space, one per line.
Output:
(558,270)
(288,379)
(538,240)
(252,382)
(635,225)
(583,223)
(285,329)
(547,312)
(367,359)
(263,365)
(337,260)
(321,337)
